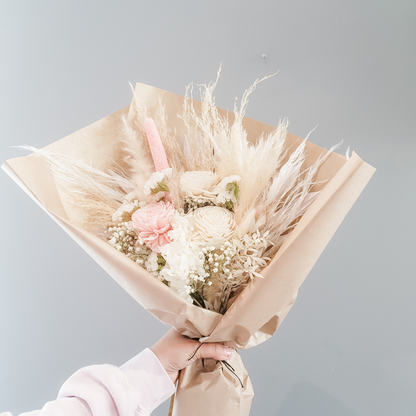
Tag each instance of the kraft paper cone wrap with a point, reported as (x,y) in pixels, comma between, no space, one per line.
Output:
(257,312)
(207,387)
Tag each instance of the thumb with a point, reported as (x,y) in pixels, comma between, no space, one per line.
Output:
(214,350)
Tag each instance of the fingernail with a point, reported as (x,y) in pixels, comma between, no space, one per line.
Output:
(228,352)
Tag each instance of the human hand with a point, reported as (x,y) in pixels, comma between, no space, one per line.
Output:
(174,352)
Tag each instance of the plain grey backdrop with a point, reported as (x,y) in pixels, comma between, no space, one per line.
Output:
(348,346)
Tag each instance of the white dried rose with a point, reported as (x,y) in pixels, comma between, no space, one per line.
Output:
(213,225)
(198,183)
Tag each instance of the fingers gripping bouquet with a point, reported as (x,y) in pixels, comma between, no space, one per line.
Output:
(210,220)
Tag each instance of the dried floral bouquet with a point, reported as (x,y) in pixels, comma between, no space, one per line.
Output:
(203,213)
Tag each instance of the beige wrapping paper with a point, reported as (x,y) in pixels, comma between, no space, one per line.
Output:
(205,388)
(230,393)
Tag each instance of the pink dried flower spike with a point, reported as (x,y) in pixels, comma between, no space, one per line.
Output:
(156,146)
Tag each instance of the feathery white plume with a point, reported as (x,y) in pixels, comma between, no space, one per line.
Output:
(95,193)
(214,143)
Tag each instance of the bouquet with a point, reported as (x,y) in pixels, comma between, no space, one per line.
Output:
(203,216)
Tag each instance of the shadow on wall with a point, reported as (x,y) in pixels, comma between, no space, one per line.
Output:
(306,400)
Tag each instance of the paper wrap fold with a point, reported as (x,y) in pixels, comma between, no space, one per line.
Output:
(258,311)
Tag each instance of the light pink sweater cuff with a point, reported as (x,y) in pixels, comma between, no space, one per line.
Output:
(146,372)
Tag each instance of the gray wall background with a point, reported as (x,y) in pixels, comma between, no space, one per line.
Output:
(348,346)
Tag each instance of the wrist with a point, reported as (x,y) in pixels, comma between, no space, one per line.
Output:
(173,374)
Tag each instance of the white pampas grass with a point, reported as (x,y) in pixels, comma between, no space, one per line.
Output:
(137,155)
(347,153)
(288,198)
(97,195)
(286,178)
(215,143)
(137,150)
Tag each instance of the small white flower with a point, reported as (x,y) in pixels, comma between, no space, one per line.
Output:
(130,197)
(154,180)
(125,210)
(225,190)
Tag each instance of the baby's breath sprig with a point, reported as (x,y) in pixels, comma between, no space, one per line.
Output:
(124,238)
(191,204)
(218,260)
(232,267)
(217,264)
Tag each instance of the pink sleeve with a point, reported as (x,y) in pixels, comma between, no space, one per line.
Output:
(136,388)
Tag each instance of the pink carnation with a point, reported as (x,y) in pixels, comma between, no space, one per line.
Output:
(153,222)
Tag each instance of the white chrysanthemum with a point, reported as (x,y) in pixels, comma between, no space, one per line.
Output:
(181,262)
(155,179)
(181,229)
